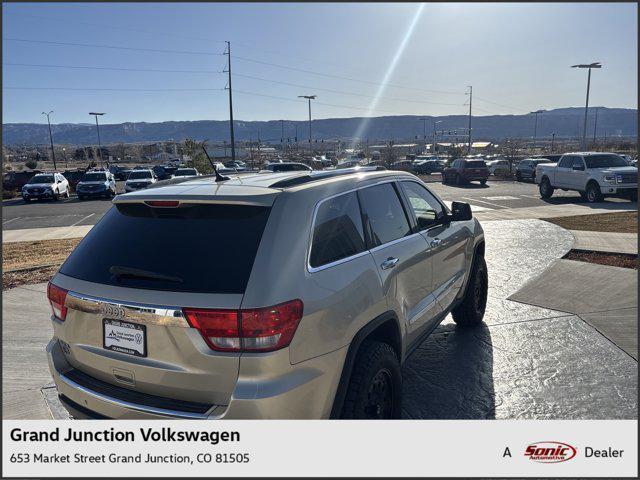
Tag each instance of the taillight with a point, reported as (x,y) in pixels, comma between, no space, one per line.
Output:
(57,297)
(252,330)
(271,328)
(219,328)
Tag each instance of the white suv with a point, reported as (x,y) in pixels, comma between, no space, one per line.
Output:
(138,180)
(46,185)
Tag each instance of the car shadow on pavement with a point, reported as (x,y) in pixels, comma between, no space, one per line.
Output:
(469,186)
(450,376)
(605,204)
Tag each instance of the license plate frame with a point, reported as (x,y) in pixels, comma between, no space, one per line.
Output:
(130,336)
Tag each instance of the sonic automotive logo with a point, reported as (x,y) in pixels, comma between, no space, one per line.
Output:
(550,452)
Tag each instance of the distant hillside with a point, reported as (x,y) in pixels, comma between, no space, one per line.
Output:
(564,122)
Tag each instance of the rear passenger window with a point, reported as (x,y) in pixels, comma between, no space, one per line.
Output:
(337,231)
(384,217)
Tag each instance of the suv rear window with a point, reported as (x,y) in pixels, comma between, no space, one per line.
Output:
(193,248)
(474,164)
(337,231)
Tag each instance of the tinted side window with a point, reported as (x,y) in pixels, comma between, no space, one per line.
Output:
(565,161)
(337,231)
(577,162)
(424,205)
(384,217)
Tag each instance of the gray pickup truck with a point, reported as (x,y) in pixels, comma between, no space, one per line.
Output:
(594,174)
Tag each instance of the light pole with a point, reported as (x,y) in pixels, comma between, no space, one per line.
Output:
(64,152)
(53,154)
(586,108)
(435,150)
(535,127)
(96,114)
(309,97)
(595,126)
(424,131)
(553,141)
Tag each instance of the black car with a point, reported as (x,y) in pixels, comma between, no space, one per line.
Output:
(427,167)
(162,173)
(287,167)
(526,169)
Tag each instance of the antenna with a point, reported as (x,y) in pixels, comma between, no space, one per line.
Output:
(219,178)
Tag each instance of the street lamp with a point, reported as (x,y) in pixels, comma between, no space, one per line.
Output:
(586,108)
(309,97)
(424,130)
(96,114)
(53,154)
(535,126)
(435,150)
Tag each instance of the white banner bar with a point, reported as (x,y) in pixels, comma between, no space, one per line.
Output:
(320,448)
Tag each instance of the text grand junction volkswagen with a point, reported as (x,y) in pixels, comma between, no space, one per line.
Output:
(286,295)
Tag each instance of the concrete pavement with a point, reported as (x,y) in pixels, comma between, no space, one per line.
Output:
(48,233)
(613,242)
(603,296)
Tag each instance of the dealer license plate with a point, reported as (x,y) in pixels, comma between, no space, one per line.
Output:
(125,337)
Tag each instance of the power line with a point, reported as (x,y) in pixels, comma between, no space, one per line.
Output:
(186,37)
(89,89)
(344,78)
(90,67)
(115,47)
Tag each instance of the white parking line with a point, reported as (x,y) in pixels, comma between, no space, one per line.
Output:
(504,197)
(482,201)
(82,220)
(9,221)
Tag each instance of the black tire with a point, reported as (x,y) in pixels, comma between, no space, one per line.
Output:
(518,177)
(80,198)
(444,179)
(27,200)
(594,195)
(546,190)
(483,182)
(458,180)
(471,311)
(67,194)
(375,387)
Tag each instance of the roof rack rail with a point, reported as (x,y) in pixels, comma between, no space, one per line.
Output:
(321,175)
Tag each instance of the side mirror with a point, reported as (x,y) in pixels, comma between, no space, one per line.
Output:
(578,167)
(460,212)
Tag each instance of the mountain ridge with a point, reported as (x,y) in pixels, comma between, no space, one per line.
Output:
(564,122)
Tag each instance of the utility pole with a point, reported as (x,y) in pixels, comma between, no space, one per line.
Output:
(53,153)
(96,114)
(282,144)
(309,98)
(535,127)
(553,140)
(595,126)
(586,108)
(470,100)
(233,142)
(424,131)
(435,139)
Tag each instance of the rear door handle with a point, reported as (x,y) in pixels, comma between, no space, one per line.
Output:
(435,242)
(389,263)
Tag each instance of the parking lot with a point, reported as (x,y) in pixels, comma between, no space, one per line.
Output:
(495,195)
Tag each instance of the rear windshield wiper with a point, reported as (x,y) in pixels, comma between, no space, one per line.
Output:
(128,272)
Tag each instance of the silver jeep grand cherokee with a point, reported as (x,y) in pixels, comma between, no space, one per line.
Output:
(286,295)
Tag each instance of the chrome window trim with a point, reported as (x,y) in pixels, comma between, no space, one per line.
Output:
(311,269)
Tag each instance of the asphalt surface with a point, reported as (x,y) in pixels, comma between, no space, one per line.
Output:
(495,195)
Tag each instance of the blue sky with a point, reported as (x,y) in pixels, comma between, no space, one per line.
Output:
(516,56)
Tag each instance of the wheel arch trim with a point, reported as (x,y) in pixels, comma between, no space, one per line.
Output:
(354,346)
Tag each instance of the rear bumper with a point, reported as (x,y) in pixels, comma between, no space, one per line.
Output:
(268,387)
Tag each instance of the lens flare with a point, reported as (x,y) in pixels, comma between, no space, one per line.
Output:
(392,67)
